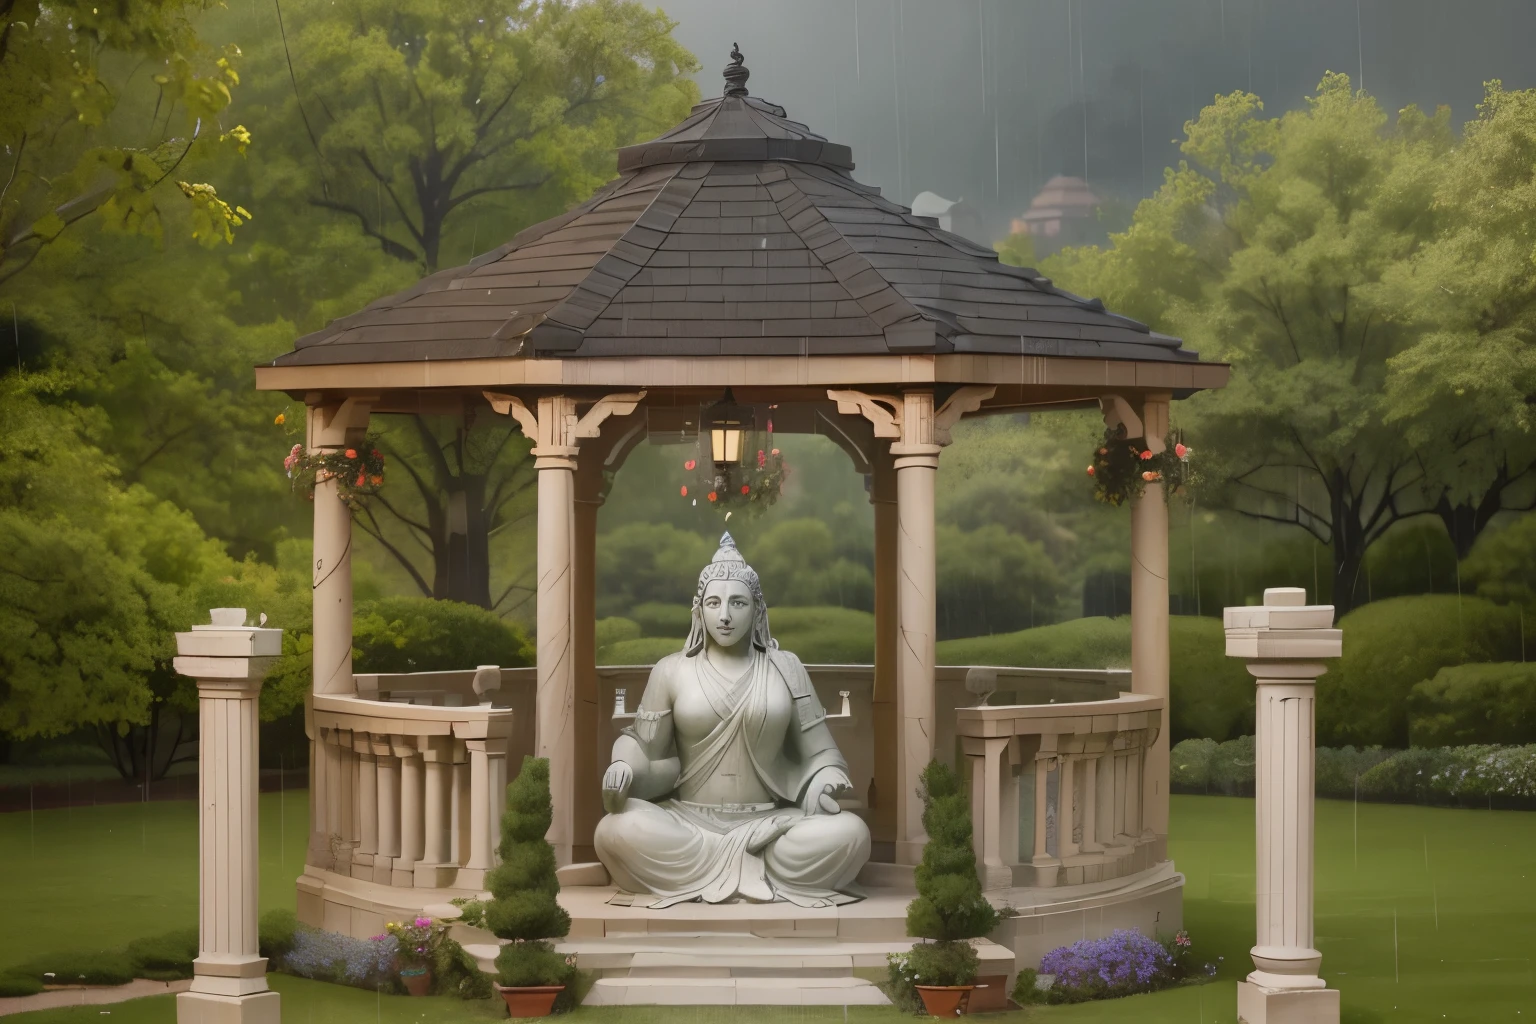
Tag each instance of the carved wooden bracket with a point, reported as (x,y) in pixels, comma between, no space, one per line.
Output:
(884,412)
(336,420)
(1151,424)
(555,425)
(1118,413)
(967,399)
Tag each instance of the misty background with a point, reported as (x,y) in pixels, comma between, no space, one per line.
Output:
(986,100)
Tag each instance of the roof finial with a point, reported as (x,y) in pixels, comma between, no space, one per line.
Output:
(736,73)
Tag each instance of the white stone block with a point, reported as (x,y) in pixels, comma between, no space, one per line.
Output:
(221,642)
(1282,596)
(1257,1005)
(223,668)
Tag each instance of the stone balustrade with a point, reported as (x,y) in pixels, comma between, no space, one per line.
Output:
(1057,792)
(409,794)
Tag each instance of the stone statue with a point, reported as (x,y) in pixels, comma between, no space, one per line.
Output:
(726,785)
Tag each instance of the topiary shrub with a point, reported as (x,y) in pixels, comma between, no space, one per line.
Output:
(524,907)
(415,634)
(1486,703)
(164,957)
(949,908)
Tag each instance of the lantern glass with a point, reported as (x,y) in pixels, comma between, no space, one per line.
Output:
(725,443)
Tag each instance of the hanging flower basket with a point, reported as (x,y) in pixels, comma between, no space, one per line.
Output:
(1122,467)
(358,471)
(747,488)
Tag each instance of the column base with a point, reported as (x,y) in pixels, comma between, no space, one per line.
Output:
(206,1008)
(1259,1005)
(995,876)
(429,875)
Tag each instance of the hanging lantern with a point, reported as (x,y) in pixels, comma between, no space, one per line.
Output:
(727,422)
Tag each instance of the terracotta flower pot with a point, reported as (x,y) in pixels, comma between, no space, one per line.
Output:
(530,1001)
(417,980)
(944,1000)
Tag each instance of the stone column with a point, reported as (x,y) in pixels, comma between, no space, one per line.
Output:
(330,424)
(1284,643)
(412,821)
(367,809)
(916,459)
(1091,842)
(388,789)
(987,812)
(1149,619)
(886,790)
(1046,866)
(591,488)
(229,982)
(430,872)
(457,785)
(482,826)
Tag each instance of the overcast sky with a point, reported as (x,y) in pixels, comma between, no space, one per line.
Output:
(986,99)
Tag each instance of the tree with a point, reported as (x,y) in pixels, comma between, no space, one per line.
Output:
(94,579)
(1473,376)
(65,71)
(404,114)
(457,486)
(523,886)
(1268,247)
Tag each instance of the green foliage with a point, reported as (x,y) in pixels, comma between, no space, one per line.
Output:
(1502,566)
(992,580)
(1391,645)
(164,957)
(800,566)
(665,620)
(102,967)
(1025,988)
(456,973)
(1212,695)
(529,962)
(412,634)
(1466,704)
(1017,250)
(523,884)
(615,629)
(943,963)
(274,934)
(1475,775)
(67,113)
(12,985)
(949,903)
(1337,770)
(649,562)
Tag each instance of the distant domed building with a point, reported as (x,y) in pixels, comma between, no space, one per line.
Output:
(1064,212)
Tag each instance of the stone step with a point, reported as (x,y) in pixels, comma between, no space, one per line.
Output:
(681,990)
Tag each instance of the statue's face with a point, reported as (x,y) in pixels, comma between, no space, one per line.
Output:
(727,610)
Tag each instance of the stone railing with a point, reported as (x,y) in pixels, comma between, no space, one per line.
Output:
(410,777)
(1057,790)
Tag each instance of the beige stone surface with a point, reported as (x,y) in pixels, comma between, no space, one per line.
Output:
(89,995)
(1257,1005)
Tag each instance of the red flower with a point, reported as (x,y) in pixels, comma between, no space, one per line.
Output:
(713,496)
(746,489)
(1103,451)
(1151,475)
(775,451)
(685,490)
(376,454)
(376,480)
(362,478)
(351,453)
(1180,451)
(1145,456)
(689,465)
(1090,471)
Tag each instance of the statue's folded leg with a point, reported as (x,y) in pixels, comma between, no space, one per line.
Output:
(822,851)
(647,849)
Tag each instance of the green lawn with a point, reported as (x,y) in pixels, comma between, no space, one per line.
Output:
(1433,919)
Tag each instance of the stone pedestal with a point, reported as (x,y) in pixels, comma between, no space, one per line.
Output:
(1284,643)
(228,660)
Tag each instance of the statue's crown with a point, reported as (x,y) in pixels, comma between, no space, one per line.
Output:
(727,552)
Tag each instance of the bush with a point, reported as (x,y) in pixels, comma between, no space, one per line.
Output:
(76,968)
(274,934)
(614,630)
(456,973)
(1480,775)
(12,985)
(1120,964)
(414,634)
(524,887)
(949,906)
(1212,695)
(1391,645)
(826,635)
(165,957)
(1189,766)
(662,620)
(1487,703)
(1026,988)
(331,956)
(1337,769)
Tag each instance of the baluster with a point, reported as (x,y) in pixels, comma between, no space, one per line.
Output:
(1066,808)
(479,811)
(436,811)
(367,808)
(389,811)
(458,792)
(411,824)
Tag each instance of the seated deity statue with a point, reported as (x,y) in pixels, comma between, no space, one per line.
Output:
(725,786)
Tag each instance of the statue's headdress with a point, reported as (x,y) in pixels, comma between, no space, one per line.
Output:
(728,564)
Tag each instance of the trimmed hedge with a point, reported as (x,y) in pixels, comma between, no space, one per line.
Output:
(1489,703)
(1392,645)
(417,634)
(1482,776)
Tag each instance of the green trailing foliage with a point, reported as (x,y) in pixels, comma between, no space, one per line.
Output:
(524,907)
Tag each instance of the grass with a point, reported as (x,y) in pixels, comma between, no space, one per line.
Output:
(1431,917)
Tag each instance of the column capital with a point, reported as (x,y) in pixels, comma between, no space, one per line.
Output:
(227,658)
(555,427)
(909,420)
(333,422)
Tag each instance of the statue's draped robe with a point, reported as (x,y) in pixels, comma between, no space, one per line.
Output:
(771,724)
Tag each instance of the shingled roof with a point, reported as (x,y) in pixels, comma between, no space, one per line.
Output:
(738,232)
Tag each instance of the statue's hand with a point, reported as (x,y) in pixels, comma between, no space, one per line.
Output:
(616,782)
(821,795)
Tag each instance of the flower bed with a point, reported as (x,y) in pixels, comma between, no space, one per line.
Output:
(1122,963)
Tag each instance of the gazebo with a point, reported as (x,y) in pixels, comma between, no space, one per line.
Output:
(737,254)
